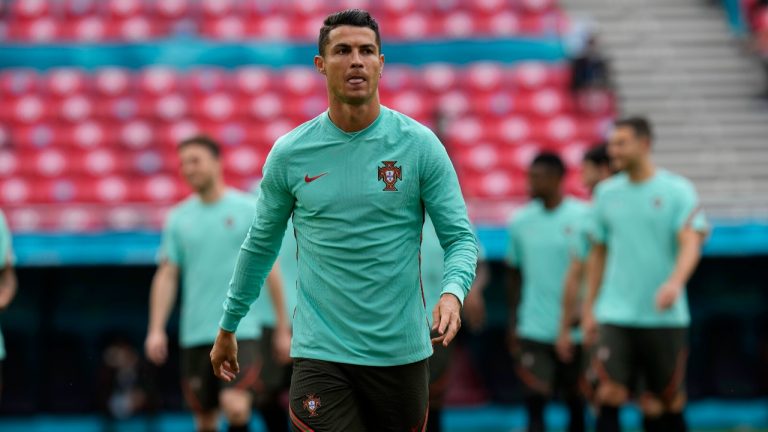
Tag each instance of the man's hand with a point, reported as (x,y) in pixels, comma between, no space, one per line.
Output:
(156,347)
(447,319)
(589,327)
(224,356)
(564,346)
(474,310)
(281,343)
(668,294)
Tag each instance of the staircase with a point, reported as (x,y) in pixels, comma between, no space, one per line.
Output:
(676,62)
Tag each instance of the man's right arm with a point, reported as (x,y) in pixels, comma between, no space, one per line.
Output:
(162,297)
(594,270)
(262,244)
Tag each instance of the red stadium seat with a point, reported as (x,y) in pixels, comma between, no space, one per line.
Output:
(76,108)
(206,80)
(172,9)
(17,82)
(485,77)
(307,107)
(267,106)
(123,109)
(38,30)
(124,218)
(86,29)
(79,8)
(216,107)
(40,135)
(536,6)
(219,8)
(136,134)
(28,109)
(453,104)
(412,26)
(161,188)
(16,190)
(548,102)
(137,28)
(172,134)
(113,81)
(171,107)
(229,134)
(101,162)
(501,184)
(513,129)
(302,81)
(244,161)
(110,189)
(458,24)
(500,24)
(49,163)
(466,131)
(158,80)
(9,163)
(148,162)
(488,6)
(277,27)
(87,135)
(62,82)
(75,219)
(125,8)
(398,77)
(252,80)
(230,28)
(411,103)
(30,9)
(439,78)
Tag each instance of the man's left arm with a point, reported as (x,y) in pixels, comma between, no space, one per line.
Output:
(691,227)
(442,198)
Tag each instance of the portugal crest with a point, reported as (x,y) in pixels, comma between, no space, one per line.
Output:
(390,174)
(311,404)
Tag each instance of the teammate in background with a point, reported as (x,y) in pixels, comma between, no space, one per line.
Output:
(595,168)
(276,367)
(357,179)
(647,237)
(474,316)
(538,255)
(201,241)
(7,280)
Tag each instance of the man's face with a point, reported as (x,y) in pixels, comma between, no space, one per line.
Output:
(542,182)
(626,149)
(199,167)
(351,64)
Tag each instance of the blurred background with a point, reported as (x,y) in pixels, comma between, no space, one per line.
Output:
(95,94)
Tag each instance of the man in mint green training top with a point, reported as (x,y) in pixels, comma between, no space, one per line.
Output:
(201,241)
(648,230)
(7,279)
(538,255)
(357,180)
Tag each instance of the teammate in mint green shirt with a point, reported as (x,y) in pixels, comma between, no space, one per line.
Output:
(648,231)
(7,278)
(595,168)
(358,180)
(538,255)
(201,241)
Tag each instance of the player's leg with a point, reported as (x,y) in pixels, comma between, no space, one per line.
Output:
(438,385)
(322,398)
(664,354)
(236,397)
(614,363)
(200,387)
(394,398)
(536,367)
(276,379)
(570,380)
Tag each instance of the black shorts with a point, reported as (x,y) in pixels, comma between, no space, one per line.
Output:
(439,371)
(543,373)
(331,397)
(275,377)
(200,386)
(651,360)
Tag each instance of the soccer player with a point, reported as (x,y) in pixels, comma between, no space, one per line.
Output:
(474,316)
(201,241)
(538,255)
(357,179)
(7,279)
(648,233)
(595,168)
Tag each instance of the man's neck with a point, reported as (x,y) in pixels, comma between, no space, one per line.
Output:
(213,193)
(641,172)
(354,118)
(552,202)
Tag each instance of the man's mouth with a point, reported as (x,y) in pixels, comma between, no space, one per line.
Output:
(355,80)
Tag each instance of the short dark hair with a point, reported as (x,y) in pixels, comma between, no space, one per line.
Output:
(551,161)
(203,141)
(598,155)
(350,17)
(639,125)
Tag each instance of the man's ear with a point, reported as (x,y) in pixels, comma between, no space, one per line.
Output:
(320,64)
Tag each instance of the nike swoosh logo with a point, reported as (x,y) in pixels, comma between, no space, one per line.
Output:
(309,179)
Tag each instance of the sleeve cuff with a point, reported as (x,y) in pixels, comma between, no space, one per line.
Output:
(456,290)
(229,322)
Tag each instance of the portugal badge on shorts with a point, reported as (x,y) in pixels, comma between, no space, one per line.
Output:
(311,404)
(390,174)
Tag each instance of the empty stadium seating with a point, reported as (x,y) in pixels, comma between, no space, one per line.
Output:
(38,21)
(105,139)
